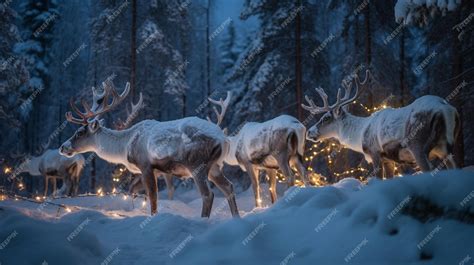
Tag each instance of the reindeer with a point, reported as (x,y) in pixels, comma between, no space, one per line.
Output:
(187,147)
(269,146)
(414,134)
(136,185)
(54,166)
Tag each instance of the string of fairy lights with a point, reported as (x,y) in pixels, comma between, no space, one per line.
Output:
(330,150)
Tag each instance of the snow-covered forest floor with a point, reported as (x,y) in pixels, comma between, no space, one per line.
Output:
(423,219)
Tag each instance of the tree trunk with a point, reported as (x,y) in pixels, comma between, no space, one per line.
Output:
(92,184)
(208,49)
(298,71)
(184,40)
(402,68)
(458,102)
(368,50)
(133,50)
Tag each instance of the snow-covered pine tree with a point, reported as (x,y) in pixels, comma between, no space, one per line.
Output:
(163,35)
(13,74)
(229,50)
(267,66)
(419,12)
(38,19)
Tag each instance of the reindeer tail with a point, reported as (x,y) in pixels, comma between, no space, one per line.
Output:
(301,136)
(296,139)
(453,123)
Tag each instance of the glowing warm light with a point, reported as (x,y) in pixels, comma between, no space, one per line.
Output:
(125,197)
(100,192)
(114,190)
(38,198)
(7,170)
(143,203)
(68,209)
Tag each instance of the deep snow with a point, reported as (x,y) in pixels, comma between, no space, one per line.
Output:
(422,219)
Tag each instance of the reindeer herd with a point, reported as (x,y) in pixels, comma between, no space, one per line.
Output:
(195,148)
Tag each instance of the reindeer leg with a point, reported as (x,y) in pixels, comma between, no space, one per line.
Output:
(148,178)
(387,169)
(55,185)
(254,178)
(297,162)
(218,178)
(169,185)
(421,157)
(450,162)
(46,183)
(136,185)
(206,194)
(377,165)
(272,179)
(76,185)
(284,164)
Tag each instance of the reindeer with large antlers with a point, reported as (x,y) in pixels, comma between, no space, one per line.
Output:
(97,99)
(186,147)
(271,145)
(414,134)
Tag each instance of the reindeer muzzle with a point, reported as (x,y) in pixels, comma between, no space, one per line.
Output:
(312,135)
(66,149)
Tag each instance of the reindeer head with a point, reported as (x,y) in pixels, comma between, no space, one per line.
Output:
(329,124)
(83,139)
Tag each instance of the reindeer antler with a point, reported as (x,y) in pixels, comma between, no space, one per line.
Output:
(101,108)
(340,102)
(97,96)
(347,99)
(312,107)
(223,104)
(130,114)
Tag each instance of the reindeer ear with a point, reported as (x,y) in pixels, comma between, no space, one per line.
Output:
(337,112)
(94,125)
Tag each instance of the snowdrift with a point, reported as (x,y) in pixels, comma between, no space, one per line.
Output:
(422,219)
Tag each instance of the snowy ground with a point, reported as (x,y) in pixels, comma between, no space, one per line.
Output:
(420,219)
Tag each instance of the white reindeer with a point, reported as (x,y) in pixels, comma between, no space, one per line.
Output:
(271,145)
(186,147)
(136,185)
(53,165)
(423,130)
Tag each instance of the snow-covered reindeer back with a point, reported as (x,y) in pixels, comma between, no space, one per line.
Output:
(413,134)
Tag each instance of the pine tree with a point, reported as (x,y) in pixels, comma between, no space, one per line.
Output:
(38,21)
(13,73)
(229,51)
(267,69)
